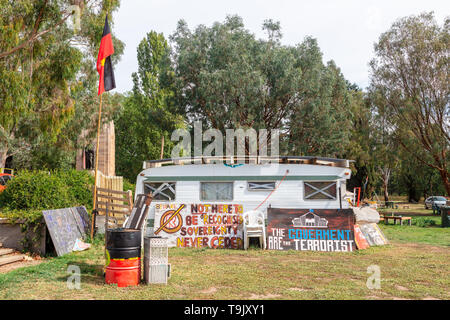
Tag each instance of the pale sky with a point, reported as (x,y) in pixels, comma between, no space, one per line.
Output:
(346,30)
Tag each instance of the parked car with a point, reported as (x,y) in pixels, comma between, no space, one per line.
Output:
(436,200)
(5,175)
(4,178)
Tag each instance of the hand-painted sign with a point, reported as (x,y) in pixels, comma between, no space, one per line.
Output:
(66,226)
(373,234)
(313,230)
(360,239)
(200,225)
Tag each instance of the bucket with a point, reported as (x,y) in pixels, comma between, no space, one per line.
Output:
(124,272)
(123,257)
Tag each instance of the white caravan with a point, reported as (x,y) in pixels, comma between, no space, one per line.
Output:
(281,182)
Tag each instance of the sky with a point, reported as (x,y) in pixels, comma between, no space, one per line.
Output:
(346,30)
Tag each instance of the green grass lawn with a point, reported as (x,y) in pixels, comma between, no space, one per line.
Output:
(414,266)
(434,235)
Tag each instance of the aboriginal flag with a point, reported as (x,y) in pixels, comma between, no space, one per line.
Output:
(104,66)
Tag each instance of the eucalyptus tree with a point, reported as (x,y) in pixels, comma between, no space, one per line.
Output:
(47,72)
(148,116)
(410,73)
(227,78)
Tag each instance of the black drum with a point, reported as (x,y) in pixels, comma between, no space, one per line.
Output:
(123,243)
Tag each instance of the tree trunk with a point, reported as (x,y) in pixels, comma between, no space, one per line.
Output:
(3,156)
(385,189)
(444,176)
(385,175)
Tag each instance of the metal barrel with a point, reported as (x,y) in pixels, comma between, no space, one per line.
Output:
(123,243)
(123,254)
(123,272)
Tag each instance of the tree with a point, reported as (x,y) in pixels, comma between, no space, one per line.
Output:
(47,74)
(411,75)
(148,113)
(359,148)
(227,78)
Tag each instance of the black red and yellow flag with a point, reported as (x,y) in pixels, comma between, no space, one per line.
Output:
(104,66)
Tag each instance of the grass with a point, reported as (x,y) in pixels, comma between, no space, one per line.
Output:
(413,266)
(433,235)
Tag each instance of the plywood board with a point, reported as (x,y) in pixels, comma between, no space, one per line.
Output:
(66,226)
(373,234)
(360,239)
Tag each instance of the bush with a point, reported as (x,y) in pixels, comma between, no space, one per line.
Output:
(423,222)
(41,190)
(127,185)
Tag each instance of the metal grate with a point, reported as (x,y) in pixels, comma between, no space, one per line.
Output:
(156,264)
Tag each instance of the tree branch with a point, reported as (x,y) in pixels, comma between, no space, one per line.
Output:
(35,35)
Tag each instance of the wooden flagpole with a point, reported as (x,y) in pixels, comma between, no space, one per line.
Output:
(96,167)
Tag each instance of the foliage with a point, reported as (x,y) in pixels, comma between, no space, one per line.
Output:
(227,78)
(48,78)
(147,115)
(410,75)
(127,185)
(40,190)
(423,222)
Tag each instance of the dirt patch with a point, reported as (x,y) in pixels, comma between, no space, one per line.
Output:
(19,264)
(209,290)
(430,298)
(401,288)
(267,296)
(297,289)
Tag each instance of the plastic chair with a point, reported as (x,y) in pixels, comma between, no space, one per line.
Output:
(254,227)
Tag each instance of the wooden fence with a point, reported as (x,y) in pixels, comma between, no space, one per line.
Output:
(110,194)
(118,203)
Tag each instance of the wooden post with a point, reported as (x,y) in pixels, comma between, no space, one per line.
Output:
(162,147)
(96,164)
(106,224)
(130,200)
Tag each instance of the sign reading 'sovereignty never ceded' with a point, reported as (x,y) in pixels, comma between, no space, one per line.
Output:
(197,225)
(310,230)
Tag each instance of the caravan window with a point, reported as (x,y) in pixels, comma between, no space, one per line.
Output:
(216,191)
(261,186)
(323,190)
(162,191)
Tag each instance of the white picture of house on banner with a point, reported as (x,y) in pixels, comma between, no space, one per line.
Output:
(197,225)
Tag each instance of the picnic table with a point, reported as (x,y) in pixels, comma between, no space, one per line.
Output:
(386,219)
(392,204)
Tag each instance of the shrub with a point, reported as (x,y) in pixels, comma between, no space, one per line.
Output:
(30,192)
(423,222)
(127,185)
(41,190)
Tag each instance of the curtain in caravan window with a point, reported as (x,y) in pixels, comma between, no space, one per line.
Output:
(216,191)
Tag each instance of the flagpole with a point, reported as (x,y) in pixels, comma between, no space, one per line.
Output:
(96,166)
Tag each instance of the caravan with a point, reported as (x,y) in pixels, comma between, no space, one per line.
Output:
(204,198)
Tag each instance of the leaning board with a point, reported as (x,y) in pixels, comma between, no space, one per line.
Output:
(360,239)
(373,234)
(66,226)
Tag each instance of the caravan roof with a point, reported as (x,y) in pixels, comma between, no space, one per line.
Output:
(213,169)
(343,163)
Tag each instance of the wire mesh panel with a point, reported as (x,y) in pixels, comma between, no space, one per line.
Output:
(156,263)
